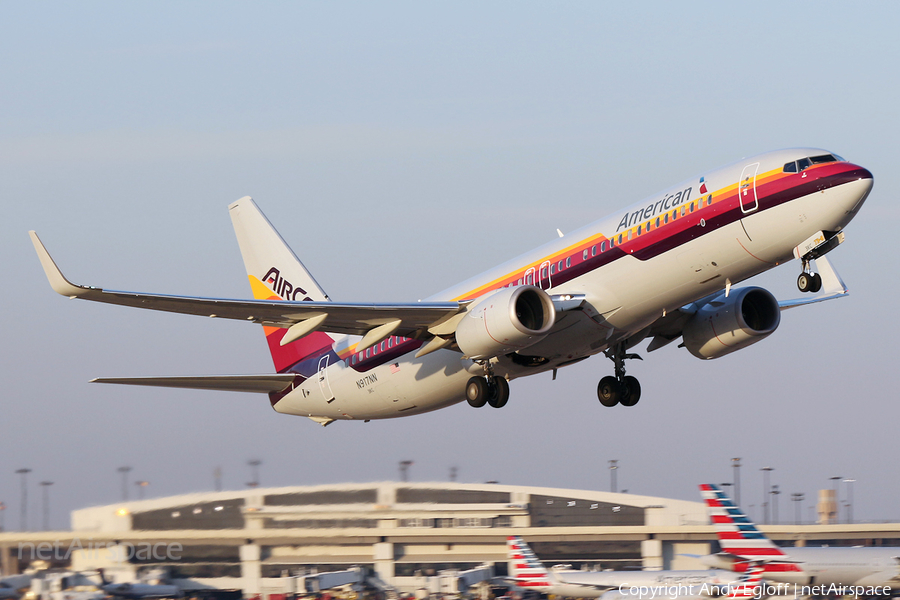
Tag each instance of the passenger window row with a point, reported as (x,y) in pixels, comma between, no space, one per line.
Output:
(394,340)
(654,223)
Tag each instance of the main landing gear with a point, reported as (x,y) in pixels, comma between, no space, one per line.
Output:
(487,389)
(622,389)
(807,281)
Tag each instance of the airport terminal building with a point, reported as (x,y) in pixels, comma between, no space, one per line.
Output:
(259,540)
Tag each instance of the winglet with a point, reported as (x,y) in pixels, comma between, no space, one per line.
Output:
(58,281)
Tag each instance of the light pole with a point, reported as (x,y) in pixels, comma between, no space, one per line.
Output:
(613,467)
(453,472)
(736,465)
(46,485)
(124,471)
(217,478)
(775,491)
(849,483)
(766,471)
(254,472)
(404,469)
(797,498)
(2,512)
(140,486)
(837,501)
(23,525)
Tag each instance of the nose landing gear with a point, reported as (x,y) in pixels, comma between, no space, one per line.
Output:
(807,281)
(621,389)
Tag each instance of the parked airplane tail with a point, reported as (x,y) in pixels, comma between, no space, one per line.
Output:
(276,273)
(737,534)
(524,567)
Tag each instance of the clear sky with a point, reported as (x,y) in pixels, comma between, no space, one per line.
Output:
(400,148)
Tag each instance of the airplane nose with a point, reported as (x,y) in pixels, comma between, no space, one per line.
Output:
(863,173)
(865,181)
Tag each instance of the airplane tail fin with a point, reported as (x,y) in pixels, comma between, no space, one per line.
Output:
(276,273)
(737,534)
(524,567)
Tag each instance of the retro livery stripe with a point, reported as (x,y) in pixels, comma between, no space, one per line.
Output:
(288,358)
(695,217)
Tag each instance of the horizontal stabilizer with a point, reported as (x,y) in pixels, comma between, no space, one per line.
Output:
(261,384)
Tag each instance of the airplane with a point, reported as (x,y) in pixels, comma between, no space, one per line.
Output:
(749,585)
(661,269)
(138,591)
(741,542)
(527,572)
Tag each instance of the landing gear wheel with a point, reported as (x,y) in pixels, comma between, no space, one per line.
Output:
(477,392)
(805,282)
(608,391)
(499,395)
(631,391)
(816,283)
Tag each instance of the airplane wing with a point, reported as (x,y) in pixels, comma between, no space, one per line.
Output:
(219,383)
(408,320)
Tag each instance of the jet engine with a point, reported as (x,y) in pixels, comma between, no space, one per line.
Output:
(725,324)
(507,320)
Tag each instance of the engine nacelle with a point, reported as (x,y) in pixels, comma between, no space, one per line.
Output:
(508,320)
(724,325)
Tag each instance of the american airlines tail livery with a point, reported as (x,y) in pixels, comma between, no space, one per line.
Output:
(527,572)
(860,571)
(662,269)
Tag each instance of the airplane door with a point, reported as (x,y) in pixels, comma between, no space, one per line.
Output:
(747,189)
(323,379)
(543,281)
(747,194)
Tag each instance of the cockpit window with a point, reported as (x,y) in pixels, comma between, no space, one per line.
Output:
(805,163)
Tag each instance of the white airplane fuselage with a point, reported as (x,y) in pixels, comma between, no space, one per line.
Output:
(606,584)
(865,566)
(705,234)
